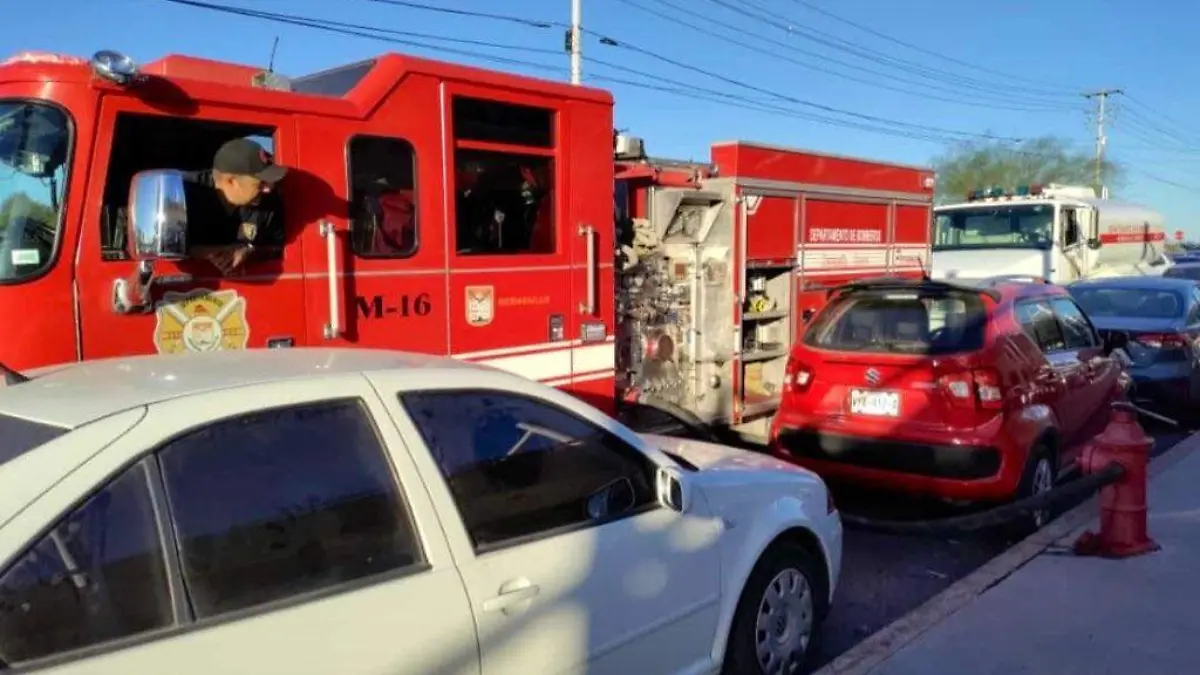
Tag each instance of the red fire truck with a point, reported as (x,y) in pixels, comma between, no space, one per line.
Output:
(505,188)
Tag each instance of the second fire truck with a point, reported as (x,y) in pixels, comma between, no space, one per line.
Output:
(506,187)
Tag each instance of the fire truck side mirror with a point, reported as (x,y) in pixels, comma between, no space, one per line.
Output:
(157,230)
(157,216)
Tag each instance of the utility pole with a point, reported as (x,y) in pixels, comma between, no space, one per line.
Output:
(1101,98)
(575,42)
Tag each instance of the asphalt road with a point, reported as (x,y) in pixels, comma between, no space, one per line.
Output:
(886,576)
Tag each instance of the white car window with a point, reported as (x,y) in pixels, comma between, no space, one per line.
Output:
(519,468)
(284,502)
(98,575)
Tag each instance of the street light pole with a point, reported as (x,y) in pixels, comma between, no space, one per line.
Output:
(575,37)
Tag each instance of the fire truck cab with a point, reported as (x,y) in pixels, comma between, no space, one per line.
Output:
(507,181)
(1061,233)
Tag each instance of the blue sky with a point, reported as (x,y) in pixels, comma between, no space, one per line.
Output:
(1036,56)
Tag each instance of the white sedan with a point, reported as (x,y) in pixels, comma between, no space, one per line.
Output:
(351,511)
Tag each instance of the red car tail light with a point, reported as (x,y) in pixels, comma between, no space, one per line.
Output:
(987,388)
(979,388)
(797,378)
(1163,340)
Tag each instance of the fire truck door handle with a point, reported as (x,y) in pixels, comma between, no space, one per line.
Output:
(334,327)
(589,305)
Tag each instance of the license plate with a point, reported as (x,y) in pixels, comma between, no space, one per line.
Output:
(881,403)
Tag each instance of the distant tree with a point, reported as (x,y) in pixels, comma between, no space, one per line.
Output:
(975,164)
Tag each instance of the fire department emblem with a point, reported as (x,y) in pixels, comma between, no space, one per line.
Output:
(201,321)
(480,305)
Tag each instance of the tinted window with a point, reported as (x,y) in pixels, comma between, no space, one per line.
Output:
(1077,330)
(1183,272)
(335,82)
(508,123)
(284,502)
(518,467)
(383,207)
(19,436)
(505,203)
(901,322)
(1142,303)
(98,575)
(1041,325)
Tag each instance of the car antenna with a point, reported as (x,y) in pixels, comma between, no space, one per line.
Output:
(924,270)
(11,376)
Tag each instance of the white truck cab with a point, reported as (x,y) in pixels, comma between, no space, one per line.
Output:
(1061,233)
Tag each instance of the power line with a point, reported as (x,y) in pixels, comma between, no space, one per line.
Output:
(382,35)
(790,99)
(768,17)
(984,101)
(917,48)
(362,31)
(532,23)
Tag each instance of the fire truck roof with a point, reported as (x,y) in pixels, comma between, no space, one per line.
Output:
(362,85)
(75,394)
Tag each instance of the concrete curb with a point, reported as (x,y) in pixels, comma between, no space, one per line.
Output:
(866,655)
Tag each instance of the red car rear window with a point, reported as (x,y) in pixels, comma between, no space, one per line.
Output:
(902,322)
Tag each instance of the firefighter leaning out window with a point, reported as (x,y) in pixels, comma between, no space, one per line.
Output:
(233,208)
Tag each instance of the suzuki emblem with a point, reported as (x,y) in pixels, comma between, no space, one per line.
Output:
(872,376)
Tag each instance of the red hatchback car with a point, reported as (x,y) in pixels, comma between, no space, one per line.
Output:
(964,393)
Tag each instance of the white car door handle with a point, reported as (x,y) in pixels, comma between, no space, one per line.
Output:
(511,594)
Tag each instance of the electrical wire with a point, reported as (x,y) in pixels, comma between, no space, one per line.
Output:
(1150,110)
(995,102)
(791,99)
(353,30)
(748,9)
(363,31)
(917,48)
(532,23)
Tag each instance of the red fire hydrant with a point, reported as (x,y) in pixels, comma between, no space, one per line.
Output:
(1123,529)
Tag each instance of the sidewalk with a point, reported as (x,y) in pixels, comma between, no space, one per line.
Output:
(1060,614)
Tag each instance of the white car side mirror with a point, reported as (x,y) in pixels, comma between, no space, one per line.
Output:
(673,490)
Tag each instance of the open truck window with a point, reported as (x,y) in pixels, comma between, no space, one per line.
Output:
(35,141)
(504,178)
(383,206)
(144,142)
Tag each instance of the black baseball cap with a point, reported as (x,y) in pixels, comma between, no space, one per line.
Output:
(244,157)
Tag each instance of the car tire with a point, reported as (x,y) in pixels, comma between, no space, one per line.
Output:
(788,579)
(1040,475)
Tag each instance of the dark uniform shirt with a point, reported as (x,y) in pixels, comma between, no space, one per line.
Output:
(213,222)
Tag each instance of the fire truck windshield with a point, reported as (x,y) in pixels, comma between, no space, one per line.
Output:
(34,143)
(995,226)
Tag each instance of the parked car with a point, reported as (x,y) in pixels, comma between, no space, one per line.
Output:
(966,393)
(352,511)
(1157,322)
(1184,270)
